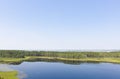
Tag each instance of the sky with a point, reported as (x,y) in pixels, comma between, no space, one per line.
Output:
(59,24)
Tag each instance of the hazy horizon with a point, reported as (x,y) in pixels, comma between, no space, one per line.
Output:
(60,24)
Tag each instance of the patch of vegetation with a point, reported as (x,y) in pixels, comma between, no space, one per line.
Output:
(8,75)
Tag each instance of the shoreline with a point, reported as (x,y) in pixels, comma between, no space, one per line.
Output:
(14,74)
(31,58)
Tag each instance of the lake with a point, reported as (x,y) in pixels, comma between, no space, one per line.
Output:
(58,70)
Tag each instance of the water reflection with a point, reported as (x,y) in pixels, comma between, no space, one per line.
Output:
(46,70)
(5,67)
(22,75)
(42,69)
(57,60)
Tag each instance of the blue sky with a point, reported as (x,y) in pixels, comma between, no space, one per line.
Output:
(59,24)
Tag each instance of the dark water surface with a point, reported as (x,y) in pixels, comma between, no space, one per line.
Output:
(51,70)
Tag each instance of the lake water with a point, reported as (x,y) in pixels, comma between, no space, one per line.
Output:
(57,70)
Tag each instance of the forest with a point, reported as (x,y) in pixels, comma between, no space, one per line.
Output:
(67,54)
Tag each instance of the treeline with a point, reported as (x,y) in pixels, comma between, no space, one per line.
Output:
(22,54)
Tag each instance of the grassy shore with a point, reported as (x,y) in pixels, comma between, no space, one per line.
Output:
(17,60)
(8,75)
(13,74)
(109,60)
